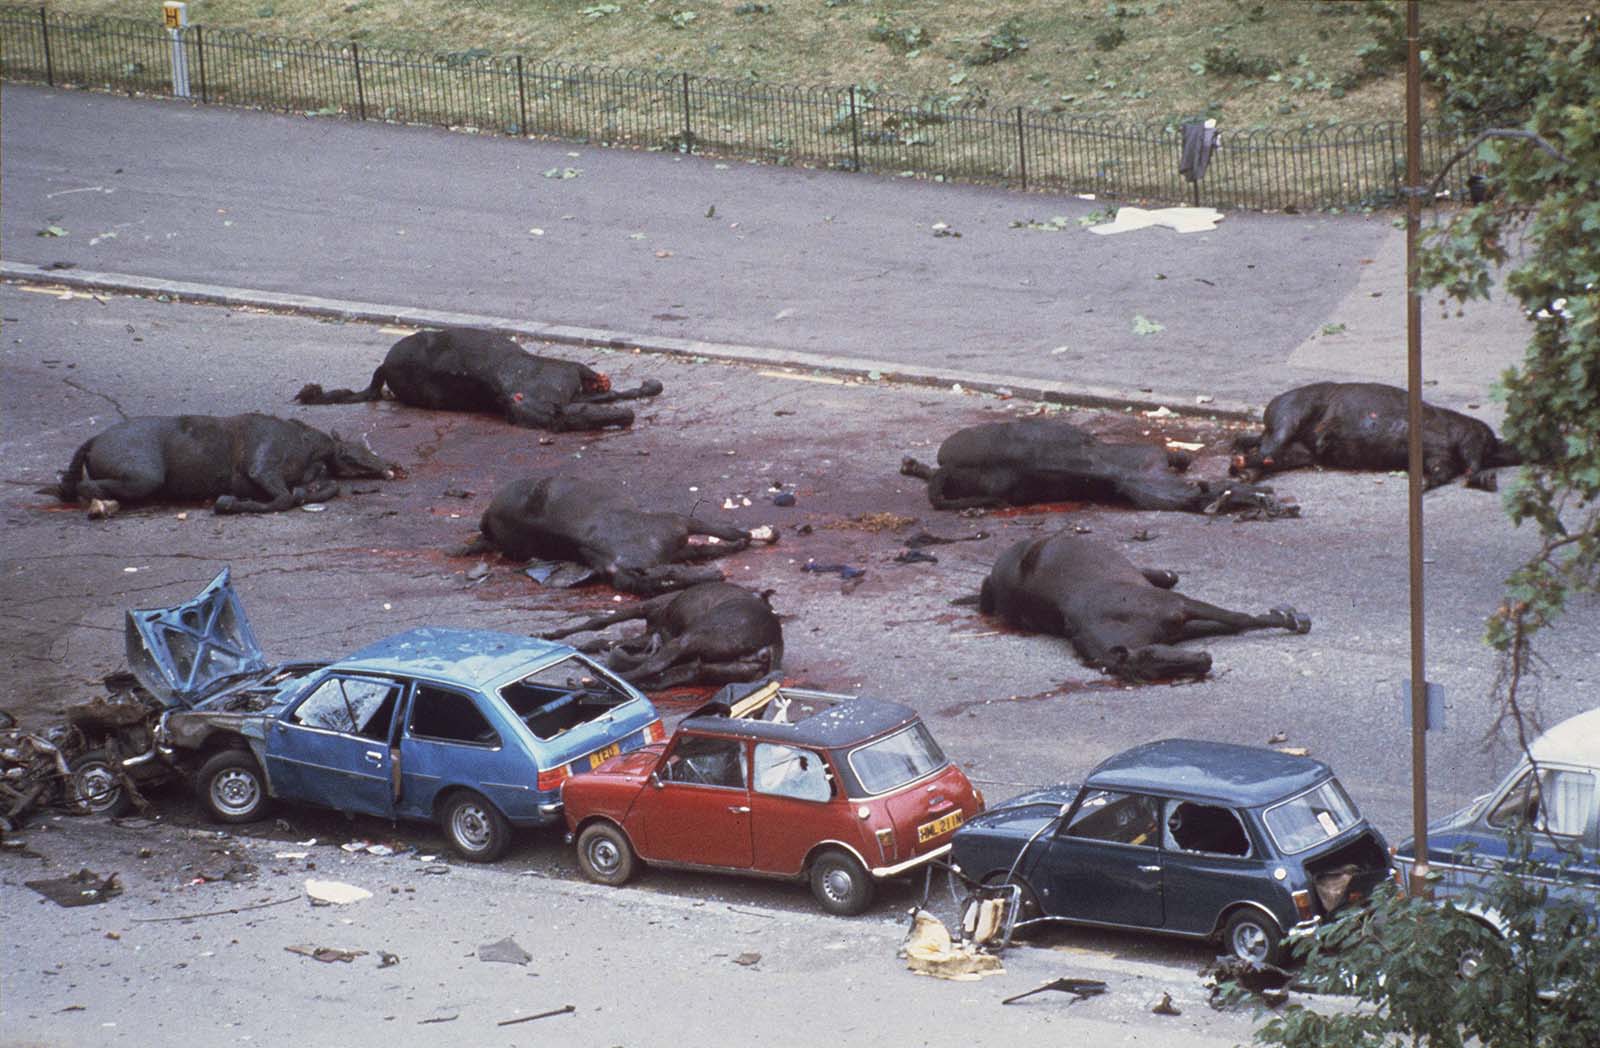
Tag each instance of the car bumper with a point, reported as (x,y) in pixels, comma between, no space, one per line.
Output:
(896,870)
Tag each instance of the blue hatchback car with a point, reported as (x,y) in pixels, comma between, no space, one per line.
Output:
(1183,837)
(472,729)
(1554,796)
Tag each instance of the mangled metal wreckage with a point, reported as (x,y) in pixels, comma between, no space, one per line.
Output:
(472,729)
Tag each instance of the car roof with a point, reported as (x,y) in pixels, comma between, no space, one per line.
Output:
(1575,740)
(842,723)
(1243,776)
(477,658)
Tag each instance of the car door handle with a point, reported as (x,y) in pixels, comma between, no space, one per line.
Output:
(1151,869)
(739,809)
(374,758)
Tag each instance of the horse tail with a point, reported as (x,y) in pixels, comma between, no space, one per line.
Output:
(311,393)
(68,489)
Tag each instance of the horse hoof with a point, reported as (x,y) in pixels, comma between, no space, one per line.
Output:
(100,509)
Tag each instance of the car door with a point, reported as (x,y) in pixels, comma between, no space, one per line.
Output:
(332,747)
(700,812)
(1208,863)
(794,804)
(1104,864)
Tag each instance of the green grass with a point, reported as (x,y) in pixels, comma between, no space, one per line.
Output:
(1249,63)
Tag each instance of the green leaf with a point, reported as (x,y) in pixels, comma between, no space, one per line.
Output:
(1144,326)
(52,231)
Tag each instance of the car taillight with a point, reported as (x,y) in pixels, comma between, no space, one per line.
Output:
(1302,904)
(552,778)
(655,731)
(886,844)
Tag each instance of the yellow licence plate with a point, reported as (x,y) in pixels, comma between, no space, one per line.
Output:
(599,757)
(943,824)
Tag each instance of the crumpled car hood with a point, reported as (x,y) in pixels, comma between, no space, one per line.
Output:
(180,654)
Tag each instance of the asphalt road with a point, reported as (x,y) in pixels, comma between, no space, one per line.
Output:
(840,266)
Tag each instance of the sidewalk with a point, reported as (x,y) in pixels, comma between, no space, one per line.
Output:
(688,254)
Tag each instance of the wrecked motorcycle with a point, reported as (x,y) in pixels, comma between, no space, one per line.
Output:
(92,765)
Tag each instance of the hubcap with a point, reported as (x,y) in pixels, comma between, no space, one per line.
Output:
(97,787)
(1250,943)
(837,884)
(1468,964)
(471,827)
(604,855)
(235,791)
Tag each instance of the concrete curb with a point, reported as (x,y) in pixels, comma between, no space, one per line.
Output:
(1044,391)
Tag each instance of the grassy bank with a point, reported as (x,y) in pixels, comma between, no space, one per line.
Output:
(1249,63)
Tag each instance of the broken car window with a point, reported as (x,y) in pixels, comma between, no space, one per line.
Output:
(788,771)
(892,762)
(563,695)
(450,716)
(350,705)
(706,760)
(1121,818)
(1204,828)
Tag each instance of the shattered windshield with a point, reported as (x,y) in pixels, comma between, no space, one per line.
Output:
(891,762)
(1311,818)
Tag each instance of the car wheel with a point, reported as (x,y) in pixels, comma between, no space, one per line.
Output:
(97,785)
(840,884)
(605,854)
(231,787)
(1252,937)
(475,828)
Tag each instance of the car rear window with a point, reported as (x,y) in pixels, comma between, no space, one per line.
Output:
(1311,818)
(563,695)
(890,762)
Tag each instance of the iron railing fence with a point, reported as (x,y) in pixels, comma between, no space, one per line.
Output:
(848,128)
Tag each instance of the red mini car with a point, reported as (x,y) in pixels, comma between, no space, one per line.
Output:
(834,790)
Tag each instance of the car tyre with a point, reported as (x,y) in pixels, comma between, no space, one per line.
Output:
(231,787)
(605,854)
(475,828)
(97,787)
(841,884)
(1253,937)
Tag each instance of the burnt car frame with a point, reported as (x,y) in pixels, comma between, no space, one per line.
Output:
(836,791)
(1203,840)
(472,729)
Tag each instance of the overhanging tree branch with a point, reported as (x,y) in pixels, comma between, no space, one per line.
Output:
(1496,132)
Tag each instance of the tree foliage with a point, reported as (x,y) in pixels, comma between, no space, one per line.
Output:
(1544,218)
(1396,971)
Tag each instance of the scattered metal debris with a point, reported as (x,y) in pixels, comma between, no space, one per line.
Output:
(1081,989)
(214,913)
(84,888)
(326,954)
(505,951)
(565,1009)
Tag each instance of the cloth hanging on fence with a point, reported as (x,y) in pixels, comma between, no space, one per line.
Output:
(1198,142)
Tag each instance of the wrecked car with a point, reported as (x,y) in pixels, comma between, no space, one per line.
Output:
(1205,840)
(1553,797)
(471,729)
(835,791)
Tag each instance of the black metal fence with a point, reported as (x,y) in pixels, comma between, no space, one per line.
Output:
(849,128)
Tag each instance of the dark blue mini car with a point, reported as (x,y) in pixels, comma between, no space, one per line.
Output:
(472,729)
(1189,838)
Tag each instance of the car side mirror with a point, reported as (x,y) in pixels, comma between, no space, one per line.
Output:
(655,779)
(1065,808)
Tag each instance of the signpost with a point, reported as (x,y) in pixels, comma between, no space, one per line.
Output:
(176,17)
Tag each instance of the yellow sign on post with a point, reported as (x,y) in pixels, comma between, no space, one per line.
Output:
(175,14)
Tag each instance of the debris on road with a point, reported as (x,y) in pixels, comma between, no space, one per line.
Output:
(1080,989)
(334,893)
(929,950)
(84,888)
(844,571)
(747,959)
(505,951)
(326,954)
(565,1009)
(1165,1006)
